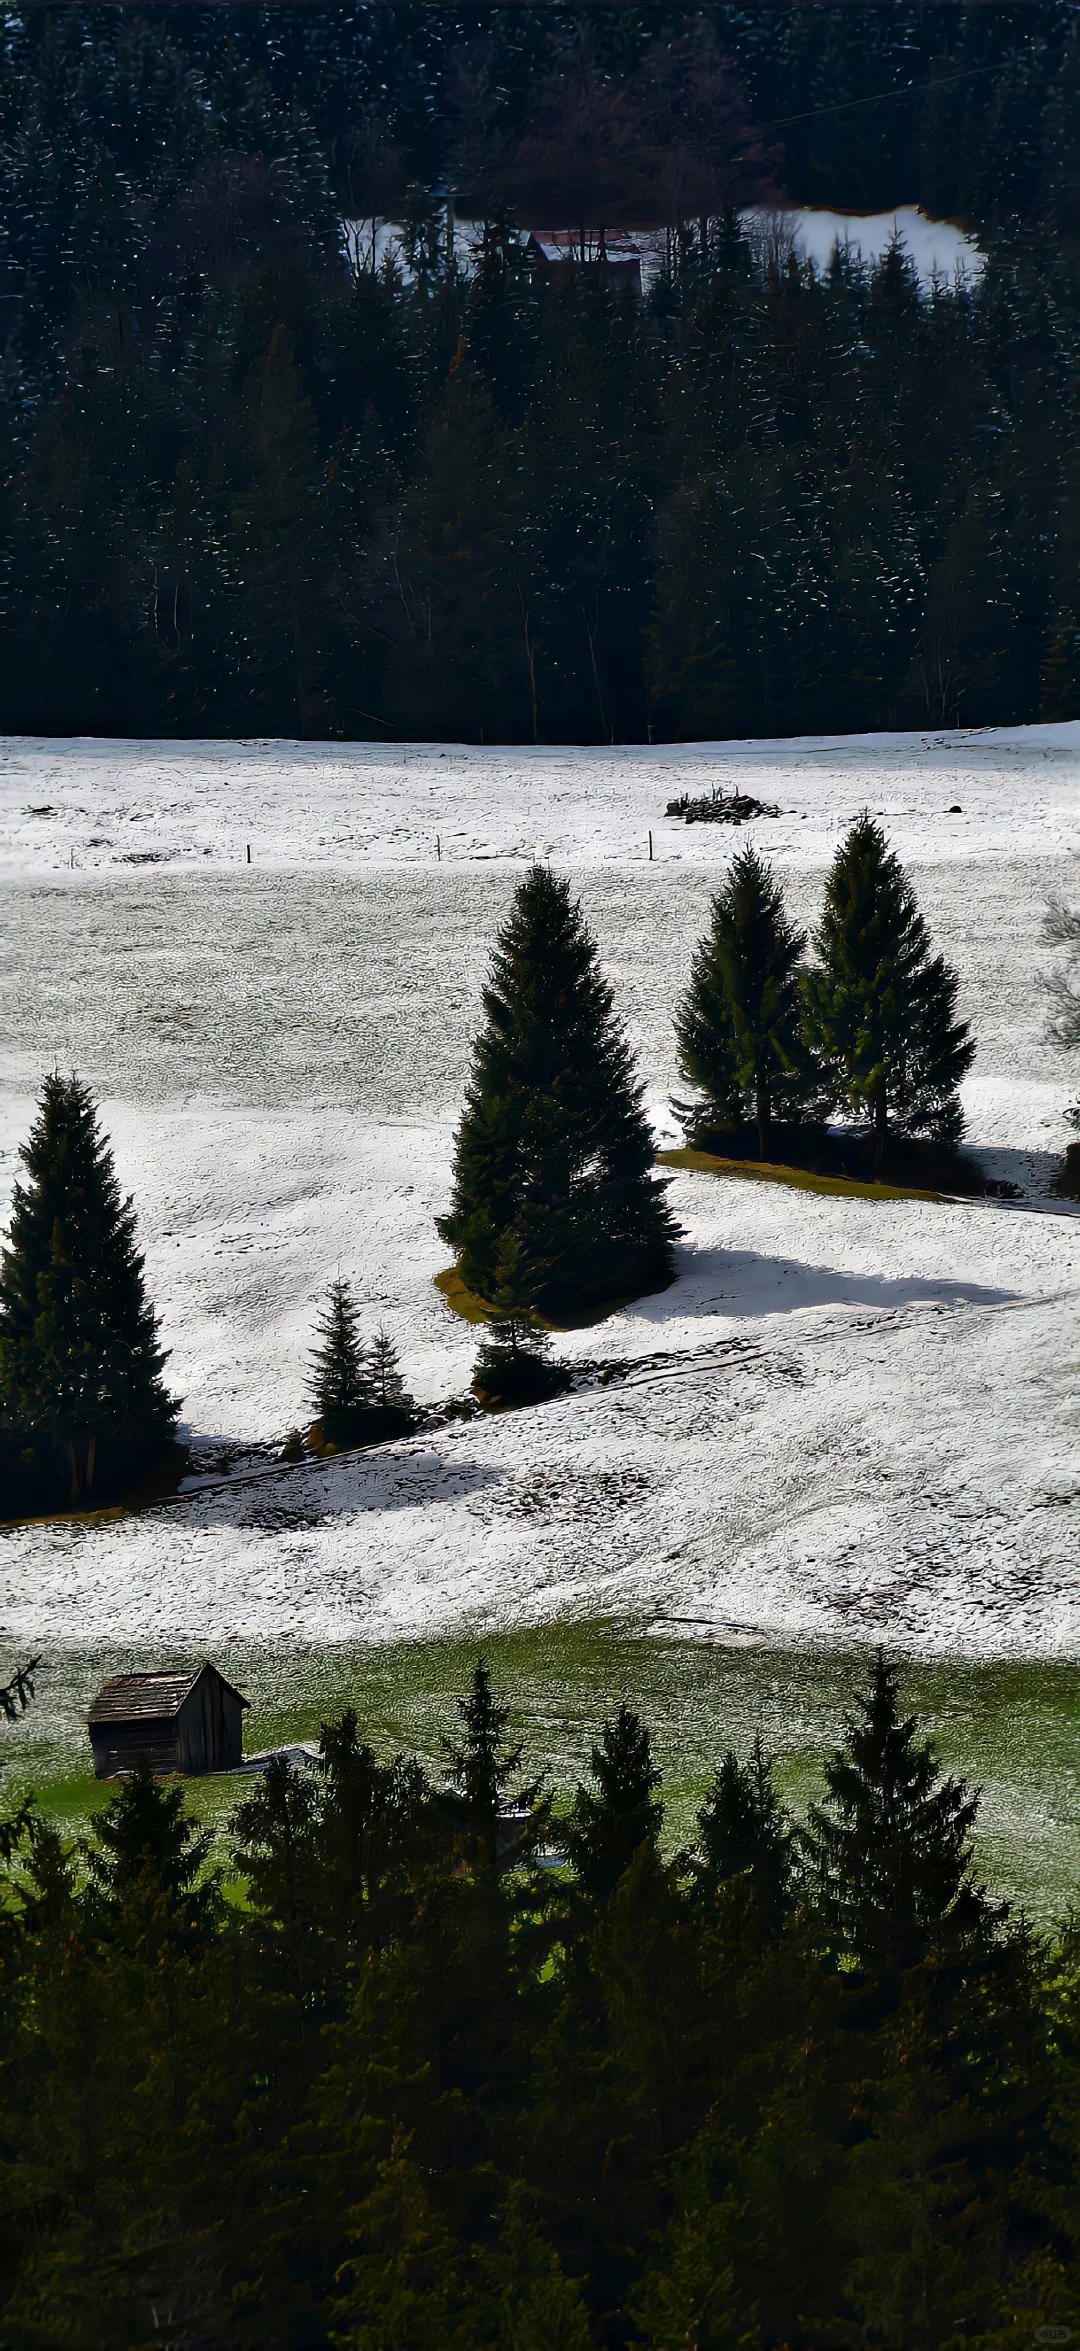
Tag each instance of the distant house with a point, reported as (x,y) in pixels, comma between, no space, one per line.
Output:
(190,1722)
(559,253)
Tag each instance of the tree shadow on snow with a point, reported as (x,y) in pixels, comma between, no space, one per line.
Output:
(348,1485)
(1033,1171)
(736,1282)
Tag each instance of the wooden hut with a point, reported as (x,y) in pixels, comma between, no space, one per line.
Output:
(190,1722)
(559,254)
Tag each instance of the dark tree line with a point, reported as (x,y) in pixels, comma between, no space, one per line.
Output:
(397,2085)
(246,488)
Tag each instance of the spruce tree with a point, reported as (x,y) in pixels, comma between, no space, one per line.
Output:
(373,1816)
(553,1143)
(880,1008)
(467,666)
(513,1365)
(405,2282)
(891,1844)
(384,1374)
(739,1027)
(146,1852)
(540,2308)
(613,1819)
(276,1849)
(341,1385)
(743,1830)
(79,1352)
(480,1767)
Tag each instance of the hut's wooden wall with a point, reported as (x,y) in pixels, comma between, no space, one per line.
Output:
(210,1726)
(119,1746)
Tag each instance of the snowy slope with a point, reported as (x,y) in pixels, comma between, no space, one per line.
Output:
(845,1418)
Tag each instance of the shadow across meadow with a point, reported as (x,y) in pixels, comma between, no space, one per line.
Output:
(738,1282)
(291,1496)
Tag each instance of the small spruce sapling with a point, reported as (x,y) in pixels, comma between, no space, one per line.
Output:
(340,1386)
(388,1389)
(513,1365)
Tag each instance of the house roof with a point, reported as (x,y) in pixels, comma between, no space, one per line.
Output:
(565,245)
(151,1697)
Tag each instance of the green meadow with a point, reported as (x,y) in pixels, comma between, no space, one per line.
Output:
(1012,1727)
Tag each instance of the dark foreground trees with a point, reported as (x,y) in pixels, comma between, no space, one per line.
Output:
(80,1357)
(412,2090)
(554,1147)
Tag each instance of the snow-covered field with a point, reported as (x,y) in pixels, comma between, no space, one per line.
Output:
(936,248)
(846,1419)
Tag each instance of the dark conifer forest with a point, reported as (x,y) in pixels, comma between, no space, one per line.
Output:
(252,484)
(440,2065)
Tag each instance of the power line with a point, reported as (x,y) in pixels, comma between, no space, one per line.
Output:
(909,89)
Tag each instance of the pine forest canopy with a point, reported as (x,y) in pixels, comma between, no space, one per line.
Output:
(398,2086)
(248,488)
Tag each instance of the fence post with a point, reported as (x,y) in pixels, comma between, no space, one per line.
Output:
(650,848)
(249,853)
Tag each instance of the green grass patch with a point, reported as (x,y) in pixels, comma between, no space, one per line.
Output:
(1014,1728)
(800,1179)
(473,1309)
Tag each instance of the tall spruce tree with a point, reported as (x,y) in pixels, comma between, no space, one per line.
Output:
(340,1386)
(739,1027)
(481,1765)
(891,1844)
(554,1144)
(79,1352)
(880,1008)
(744,1831)
(620,1813)
(146,1849)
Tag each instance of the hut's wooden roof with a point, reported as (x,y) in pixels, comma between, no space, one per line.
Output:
(151,1697)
